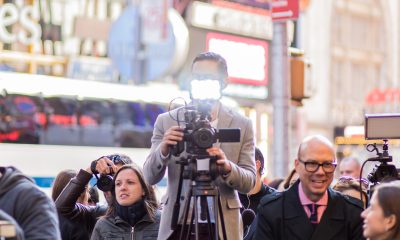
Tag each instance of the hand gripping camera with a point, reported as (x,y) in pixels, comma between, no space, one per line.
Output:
(105,182)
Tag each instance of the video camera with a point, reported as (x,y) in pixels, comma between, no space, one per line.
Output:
(199,135)
(198,132)
(382,127)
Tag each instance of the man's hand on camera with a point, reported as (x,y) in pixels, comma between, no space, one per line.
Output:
(224,164)
(104,166)
(171,137)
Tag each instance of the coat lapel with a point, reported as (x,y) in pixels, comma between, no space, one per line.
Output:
(296,220)
(332,222)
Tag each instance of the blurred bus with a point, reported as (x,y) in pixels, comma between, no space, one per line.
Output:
(49,124)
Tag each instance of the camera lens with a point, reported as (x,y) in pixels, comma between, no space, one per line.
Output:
(203,138)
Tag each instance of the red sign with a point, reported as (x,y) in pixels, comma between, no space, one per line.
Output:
(285,9)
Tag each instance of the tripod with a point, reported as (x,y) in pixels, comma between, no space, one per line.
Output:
(201,188)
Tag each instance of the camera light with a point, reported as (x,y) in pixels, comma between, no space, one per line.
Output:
(205,89)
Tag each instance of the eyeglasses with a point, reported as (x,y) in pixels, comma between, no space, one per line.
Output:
(312,166)
(348,180)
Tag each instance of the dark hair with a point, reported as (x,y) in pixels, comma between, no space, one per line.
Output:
(259,156)
(288,179)
(94,195)
(61,181)
(388,198)
(223,68)
(150,200)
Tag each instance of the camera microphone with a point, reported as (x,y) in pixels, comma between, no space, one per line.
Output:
(248,216)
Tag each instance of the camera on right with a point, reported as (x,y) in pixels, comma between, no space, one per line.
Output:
(382,127)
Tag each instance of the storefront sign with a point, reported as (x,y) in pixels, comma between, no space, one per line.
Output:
(26,17)
(247,63)
(208,16)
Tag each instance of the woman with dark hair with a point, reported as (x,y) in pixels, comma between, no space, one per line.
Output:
(62,179)
(69,229)
(133,212)
(382,217)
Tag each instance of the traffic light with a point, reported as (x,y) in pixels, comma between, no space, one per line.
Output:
(298,72)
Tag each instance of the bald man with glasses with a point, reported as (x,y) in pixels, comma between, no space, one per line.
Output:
(310,209)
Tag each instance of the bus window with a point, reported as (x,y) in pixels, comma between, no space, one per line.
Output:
(95,112)
(96,123)
(18,123)
(123,113)
(63,110)
(152,112)
(139,118)
(62,127)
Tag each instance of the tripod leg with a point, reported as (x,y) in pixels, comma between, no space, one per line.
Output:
(185,216)
(190,226)
(221,216)
(210,231)
(196,217)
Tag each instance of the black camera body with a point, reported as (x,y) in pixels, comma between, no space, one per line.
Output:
(105,182)
(199,135)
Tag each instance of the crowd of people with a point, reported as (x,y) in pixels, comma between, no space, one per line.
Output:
(305,205)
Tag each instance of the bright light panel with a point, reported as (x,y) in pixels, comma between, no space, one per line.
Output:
(205,89)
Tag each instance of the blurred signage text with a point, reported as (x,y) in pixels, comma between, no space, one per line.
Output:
(92,68)
(27,17)
(208,16)
(154,18)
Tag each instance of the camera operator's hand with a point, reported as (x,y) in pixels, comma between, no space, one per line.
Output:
(104,166)
(224,164)
(171,137)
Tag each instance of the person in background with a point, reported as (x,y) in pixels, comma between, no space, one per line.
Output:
(22,200)
(290,180)
(235,161)
(351,187)
(252,198)
(66,202)
(275,183)
(350,166)
(94,196)
(382,217)
(69,229)
(310,209)
(133,212)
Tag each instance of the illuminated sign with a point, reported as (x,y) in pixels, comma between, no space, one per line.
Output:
(247,58)
(208,16)
(26,16)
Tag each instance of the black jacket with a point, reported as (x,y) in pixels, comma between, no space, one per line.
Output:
(116,228)
(31,208)
(252,201)
(281,216)
(68,208)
